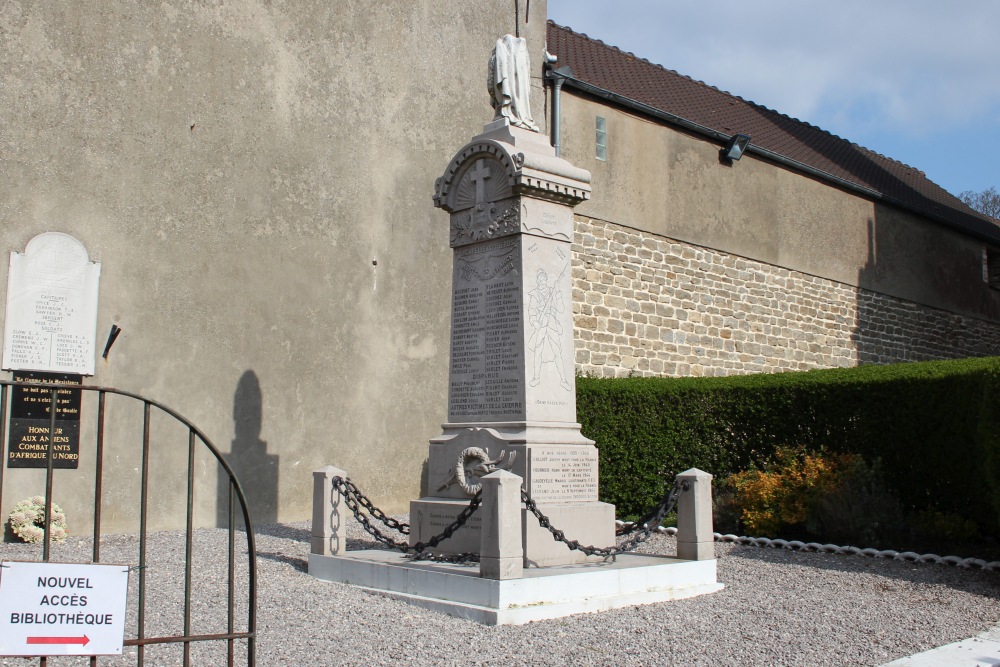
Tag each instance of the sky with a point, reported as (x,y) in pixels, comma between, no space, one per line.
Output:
(915,80)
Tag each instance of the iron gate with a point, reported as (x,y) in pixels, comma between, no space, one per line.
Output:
(236,498)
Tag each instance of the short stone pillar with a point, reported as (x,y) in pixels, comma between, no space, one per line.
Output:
(329,529)
(695,537)
(501,553)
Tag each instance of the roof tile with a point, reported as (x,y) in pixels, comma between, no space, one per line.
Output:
(626,75)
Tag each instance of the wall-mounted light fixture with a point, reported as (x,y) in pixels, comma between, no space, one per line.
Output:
(735,147)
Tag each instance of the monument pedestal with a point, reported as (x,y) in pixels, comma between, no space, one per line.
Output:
(512,395)
(512,407)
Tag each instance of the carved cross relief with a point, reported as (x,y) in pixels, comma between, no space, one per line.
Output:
(479,175)
(481,212)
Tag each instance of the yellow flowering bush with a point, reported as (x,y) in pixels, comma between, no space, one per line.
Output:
(786,492)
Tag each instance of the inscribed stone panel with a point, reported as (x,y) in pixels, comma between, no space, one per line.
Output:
(51,321)
(487,366)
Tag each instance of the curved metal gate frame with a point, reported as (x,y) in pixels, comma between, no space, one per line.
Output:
(235,492)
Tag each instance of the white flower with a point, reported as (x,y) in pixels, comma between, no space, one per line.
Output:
(27,521)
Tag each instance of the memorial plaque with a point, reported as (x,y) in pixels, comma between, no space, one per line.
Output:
(565,473)
(51,320)
(30,420)
(487,366)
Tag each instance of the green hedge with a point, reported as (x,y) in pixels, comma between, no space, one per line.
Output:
(935,426)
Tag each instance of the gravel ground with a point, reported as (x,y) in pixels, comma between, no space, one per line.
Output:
(778,608)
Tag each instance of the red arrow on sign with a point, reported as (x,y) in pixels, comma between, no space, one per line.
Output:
(82,641)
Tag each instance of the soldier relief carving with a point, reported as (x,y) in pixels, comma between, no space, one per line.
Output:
(545,307)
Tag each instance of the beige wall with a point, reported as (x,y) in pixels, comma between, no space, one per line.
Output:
(649,305)
(238,168)
(668,182)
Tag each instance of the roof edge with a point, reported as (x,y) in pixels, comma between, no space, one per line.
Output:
(771,156)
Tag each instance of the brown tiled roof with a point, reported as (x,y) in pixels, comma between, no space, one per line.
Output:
(598,68)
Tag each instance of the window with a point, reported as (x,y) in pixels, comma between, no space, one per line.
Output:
(602,140)
(991,267)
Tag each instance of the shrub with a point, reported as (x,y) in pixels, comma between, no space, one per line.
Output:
(785,493)
(858,509)
(834,497)
(933,426)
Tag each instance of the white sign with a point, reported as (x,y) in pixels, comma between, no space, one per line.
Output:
(62,608)
(51,321)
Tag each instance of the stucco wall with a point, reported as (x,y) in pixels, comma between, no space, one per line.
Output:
(649,305)
(256,179)
(668,182)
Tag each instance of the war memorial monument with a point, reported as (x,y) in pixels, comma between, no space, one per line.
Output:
(511,420)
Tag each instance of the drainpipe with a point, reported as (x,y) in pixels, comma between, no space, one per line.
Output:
(557,76)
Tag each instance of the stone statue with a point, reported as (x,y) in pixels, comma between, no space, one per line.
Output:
(509,81)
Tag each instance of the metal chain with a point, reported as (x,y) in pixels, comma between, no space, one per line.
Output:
(655,517)
(355,500)
(651,517)
(365,502)
(889,554)
(816,547)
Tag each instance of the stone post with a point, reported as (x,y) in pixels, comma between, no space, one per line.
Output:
(695,539)
(329,529)
(501,553)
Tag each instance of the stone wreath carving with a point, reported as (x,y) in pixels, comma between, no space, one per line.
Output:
(465,468)
(27,521)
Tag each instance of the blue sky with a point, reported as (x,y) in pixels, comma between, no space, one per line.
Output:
(916,80)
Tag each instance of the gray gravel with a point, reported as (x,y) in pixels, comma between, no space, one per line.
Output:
(778,608)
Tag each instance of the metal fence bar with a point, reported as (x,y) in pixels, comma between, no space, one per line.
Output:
(188,547)
(189,639)
(98,487)
(232,575)
(50,453)
(252,590)
(99,477)
(3,434)
(143,507)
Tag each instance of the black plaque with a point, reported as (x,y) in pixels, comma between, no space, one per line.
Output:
(30,418)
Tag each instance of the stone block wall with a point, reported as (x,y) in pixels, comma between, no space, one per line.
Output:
(649,305)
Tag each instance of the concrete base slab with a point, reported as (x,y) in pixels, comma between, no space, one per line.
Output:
(543,593)
(980,651)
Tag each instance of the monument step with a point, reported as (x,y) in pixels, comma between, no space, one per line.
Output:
(542,593)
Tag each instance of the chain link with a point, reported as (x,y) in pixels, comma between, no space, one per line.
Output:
(649,525)
(889,554)
(650,518)
(355,500)
(365,502)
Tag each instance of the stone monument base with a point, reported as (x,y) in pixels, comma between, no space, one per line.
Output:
(556,592)
(589,523)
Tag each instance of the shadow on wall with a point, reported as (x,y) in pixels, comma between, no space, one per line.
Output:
(889,330)
(863,336)
(256,470)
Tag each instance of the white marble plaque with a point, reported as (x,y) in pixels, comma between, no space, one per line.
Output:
(562,473)
(487,364)
(51,317)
